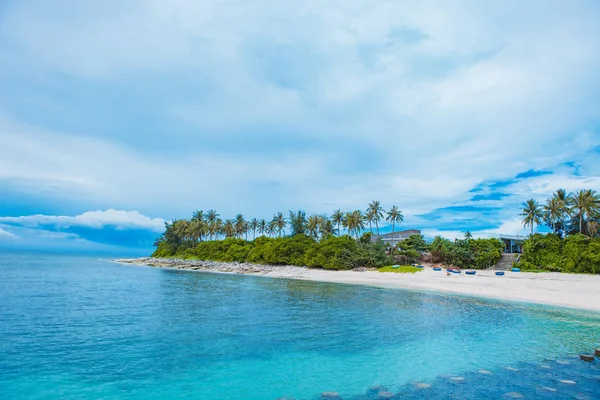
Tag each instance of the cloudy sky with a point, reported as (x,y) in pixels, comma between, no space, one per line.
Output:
(116,116)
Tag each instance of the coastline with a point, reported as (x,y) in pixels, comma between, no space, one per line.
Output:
(550,288)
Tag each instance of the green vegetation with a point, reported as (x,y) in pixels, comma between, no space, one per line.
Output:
(403,269)
(317,240)
(311,241)
(574,243)
(466,253)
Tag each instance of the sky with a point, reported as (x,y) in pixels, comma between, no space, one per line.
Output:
(117,116)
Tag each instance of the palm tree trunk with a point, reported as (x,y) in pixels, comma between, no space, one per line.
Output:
(532,229)
(370,227)
(377,226)
(393,245)
(580,221)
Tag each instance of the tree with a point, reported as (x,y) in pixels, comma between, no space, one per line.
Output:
(338,218)
(355,222)
(564,202)
(239,225)
(312,226)
(393,216)
(585,203)
(262,227)
(377,211)
(280,222)
(229,229)
(254,227)
(468,235)
(552,211)
(298,222)
(211,218)
(370,218)
(532,214)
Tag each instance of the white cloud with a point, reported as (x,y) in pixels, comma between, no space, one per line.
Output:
(91,219)
(7,233)
(473,98)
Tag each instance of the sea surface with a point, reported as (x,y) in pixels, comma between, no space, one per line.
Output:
(75,327)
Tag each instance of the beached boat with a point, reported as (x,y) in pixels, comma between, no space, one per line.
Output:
(516,269)
(471,272)
(437,268)
(499,273)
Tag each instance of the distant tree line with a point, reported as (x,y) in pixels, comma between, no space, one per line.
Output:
(295,239)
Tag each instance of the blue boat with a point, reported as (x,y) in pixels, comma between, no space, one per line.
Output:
(455,271)
(472,272)
(516,269)
(499,273)
(419,266)
(437,269)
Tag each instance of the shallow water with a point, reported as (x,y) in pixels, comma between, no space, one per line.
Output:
(76,327)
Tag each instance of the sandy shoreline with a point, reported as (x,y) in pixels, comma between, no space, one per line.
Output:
(566,290)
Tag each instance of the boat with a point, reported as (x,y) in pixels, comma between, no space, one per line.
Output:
(499,273)
(516,269)
(437,268)
(471,272)
(395,266)
(419,266)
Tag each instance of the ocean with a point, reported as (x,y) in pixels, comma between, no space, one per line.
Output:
(76,327)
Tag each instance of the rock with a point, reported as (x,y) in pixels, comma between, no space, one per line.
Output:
(586,357)
(513,369)
(385,395)
(423,385)
(330,396)
(567,382)
(457,378)
(548,389)
(514,395)
(485,372)
(597,352)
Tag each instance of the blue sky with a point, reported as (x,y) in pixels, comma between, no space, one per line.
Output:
(116,116)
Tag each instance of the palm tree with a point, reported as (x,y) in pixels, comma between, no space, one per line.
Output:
(532,214)
(198,215)
(280,222)
(197,229)
(564,202)
(254,226)
(338,218)
(217,226)
(393,216)
(552,212)
(325,226)
(297,222)
(229,228)
(312,226)
(355,222)
(262,226)
(585,203)
(468,235)
(239,224)
(370,217)
(211,217)
(271,228)
(377,211)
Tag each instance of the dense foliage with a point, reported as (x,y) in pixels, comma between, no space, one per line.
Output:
(575,253)
(574,244)
(331,252)
(466,253)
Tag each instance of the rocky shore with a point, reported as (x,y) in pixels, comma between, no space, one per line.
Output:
(216,266)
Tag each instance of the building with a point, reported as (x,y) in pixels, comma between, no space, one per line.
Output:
(394,238)
(512,243)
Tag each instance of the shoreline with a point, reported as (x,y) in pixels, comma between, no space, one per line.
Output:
(550,288)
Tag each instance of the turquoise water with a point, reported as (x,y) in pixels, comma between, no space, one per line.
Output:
(76,327)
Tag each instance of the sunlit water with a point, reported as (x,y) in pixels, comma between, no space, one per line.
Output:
(75,327)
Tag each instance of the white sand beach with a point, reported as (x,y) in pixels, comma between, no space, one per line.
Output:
(566,290)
